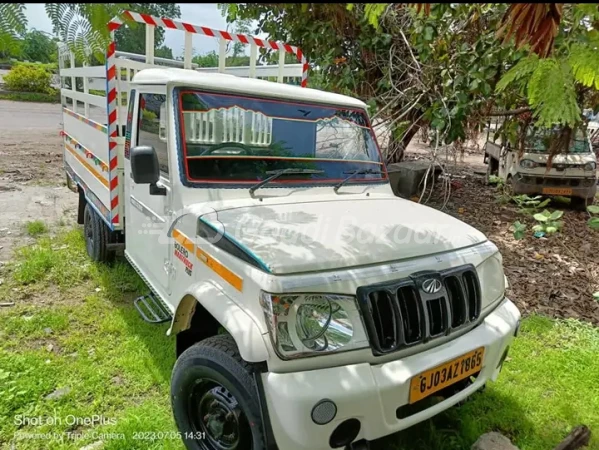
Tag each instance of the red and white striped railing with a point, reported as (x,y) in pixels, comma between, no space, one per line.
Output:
(111,78)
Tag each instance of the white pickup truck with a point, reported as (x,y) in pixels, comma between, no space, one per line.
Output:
(312,308)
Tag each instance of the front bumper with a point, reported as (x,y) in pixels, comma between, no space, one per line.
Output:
(533,185)
(373,393)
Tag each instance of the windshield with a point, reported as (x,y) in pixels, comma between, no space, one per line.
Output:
(234,139)
(538,141)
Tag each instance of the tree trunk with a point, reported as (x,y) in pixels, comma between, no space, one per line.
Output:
(397,147)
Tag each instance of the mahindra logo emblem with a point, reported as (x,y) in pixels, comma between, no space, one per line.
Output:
(431,286)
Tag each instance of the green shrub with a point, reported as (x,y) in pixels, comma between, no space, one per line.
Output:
(49,67)
(28,78)
(36,227)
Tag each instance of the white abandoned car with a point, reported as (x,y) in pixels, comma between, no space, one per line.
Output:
(312,308)
(572,175)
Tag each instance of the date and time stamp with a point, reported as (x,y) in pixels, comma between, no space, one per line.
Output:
(35,428)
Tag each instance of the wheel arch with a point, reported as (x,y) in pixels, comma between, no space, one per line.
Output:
(205,307)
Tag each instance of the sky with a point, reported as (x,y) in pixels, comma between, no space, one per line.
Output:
(205,14)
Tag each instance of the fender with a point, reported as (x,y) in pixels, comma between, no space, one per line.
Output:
(235,320)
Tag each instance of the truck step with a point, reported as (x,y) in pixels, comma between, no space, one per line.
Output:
(151,309)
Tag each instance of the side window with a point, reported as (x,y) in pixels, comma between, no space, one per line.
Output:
(152,129)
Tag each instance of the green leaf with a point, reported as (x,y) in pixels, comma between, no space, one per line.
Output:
(519,229)
(428,33)
(538,228)
(373,12)
(519,226)
(518,235)
(540,217)
(596,296)
(556,215)
(550,230)
(593,223)
(584,61)
(593,209)
(544,203)
(522,70)
(438,124)
(552,95)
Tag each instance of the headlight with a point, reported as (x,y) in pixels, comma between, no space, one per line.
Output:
(313,324)
(590,166)
(493,281)
(528,164)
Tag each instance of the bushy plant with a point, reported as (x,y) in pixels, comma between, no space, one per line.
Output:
(548,223)
(28,78)
(594,220)
(530,204)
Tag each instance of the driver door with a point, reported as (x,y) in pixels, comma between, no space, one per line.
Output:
(148,215)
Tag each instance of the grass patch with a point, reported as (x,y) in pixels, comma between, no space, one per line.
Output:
(30,97)
(36,227)
(93,343)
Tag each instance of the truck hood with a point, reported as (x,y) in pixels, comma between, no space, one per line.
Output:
(324,235)
(570,158)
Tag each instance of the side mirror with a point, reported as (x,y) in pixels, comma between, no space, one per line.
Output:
(145,168)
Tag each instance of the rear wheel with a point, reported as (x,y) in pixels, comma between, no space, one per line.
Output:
(97,236)
(214,398)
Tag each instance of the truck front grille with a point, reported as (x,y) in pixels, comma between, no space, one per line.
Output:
(424,306)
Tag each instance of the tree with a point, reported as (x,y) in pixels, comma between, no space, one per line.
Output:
(207,60)
(132,37)
(37,46)
(557,88)
(435,69)
(164,52)
(13,24)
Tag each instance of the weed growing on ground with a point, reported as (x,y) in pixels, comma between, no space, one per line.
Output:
(36,227)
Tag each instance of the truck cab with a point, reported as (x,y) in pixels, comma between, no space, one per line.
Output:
(572,174)
(312,308)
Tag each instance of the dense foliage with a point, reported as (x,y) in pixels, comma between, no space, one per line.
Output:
(34,46)
(28,78)
(442,67)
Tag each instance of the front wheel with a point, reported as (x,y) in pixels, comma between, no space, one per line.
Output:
(580,203)
(214,398)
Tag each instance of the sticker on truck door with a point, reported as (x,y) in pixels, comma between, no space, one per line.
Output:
(183,255)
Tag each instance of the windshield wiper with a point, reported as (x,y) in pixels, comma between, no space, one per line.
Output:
(277,173)
(353,174)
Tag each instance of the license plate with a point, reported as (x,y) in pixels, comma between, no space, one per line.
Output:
(434,380)
(557,191)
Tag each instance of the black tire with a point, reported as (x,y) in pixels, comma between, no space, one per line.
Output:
(489,172)
(208,373)
(508,187)
(97,236)
(580,203)
(81,208)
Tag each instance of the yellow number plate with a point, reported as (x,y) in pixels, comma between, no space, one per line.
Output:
(557,191)
(434,380)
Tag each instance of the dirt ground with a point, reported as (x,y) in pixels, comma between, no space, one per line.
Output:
(32,180)
(555,276)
